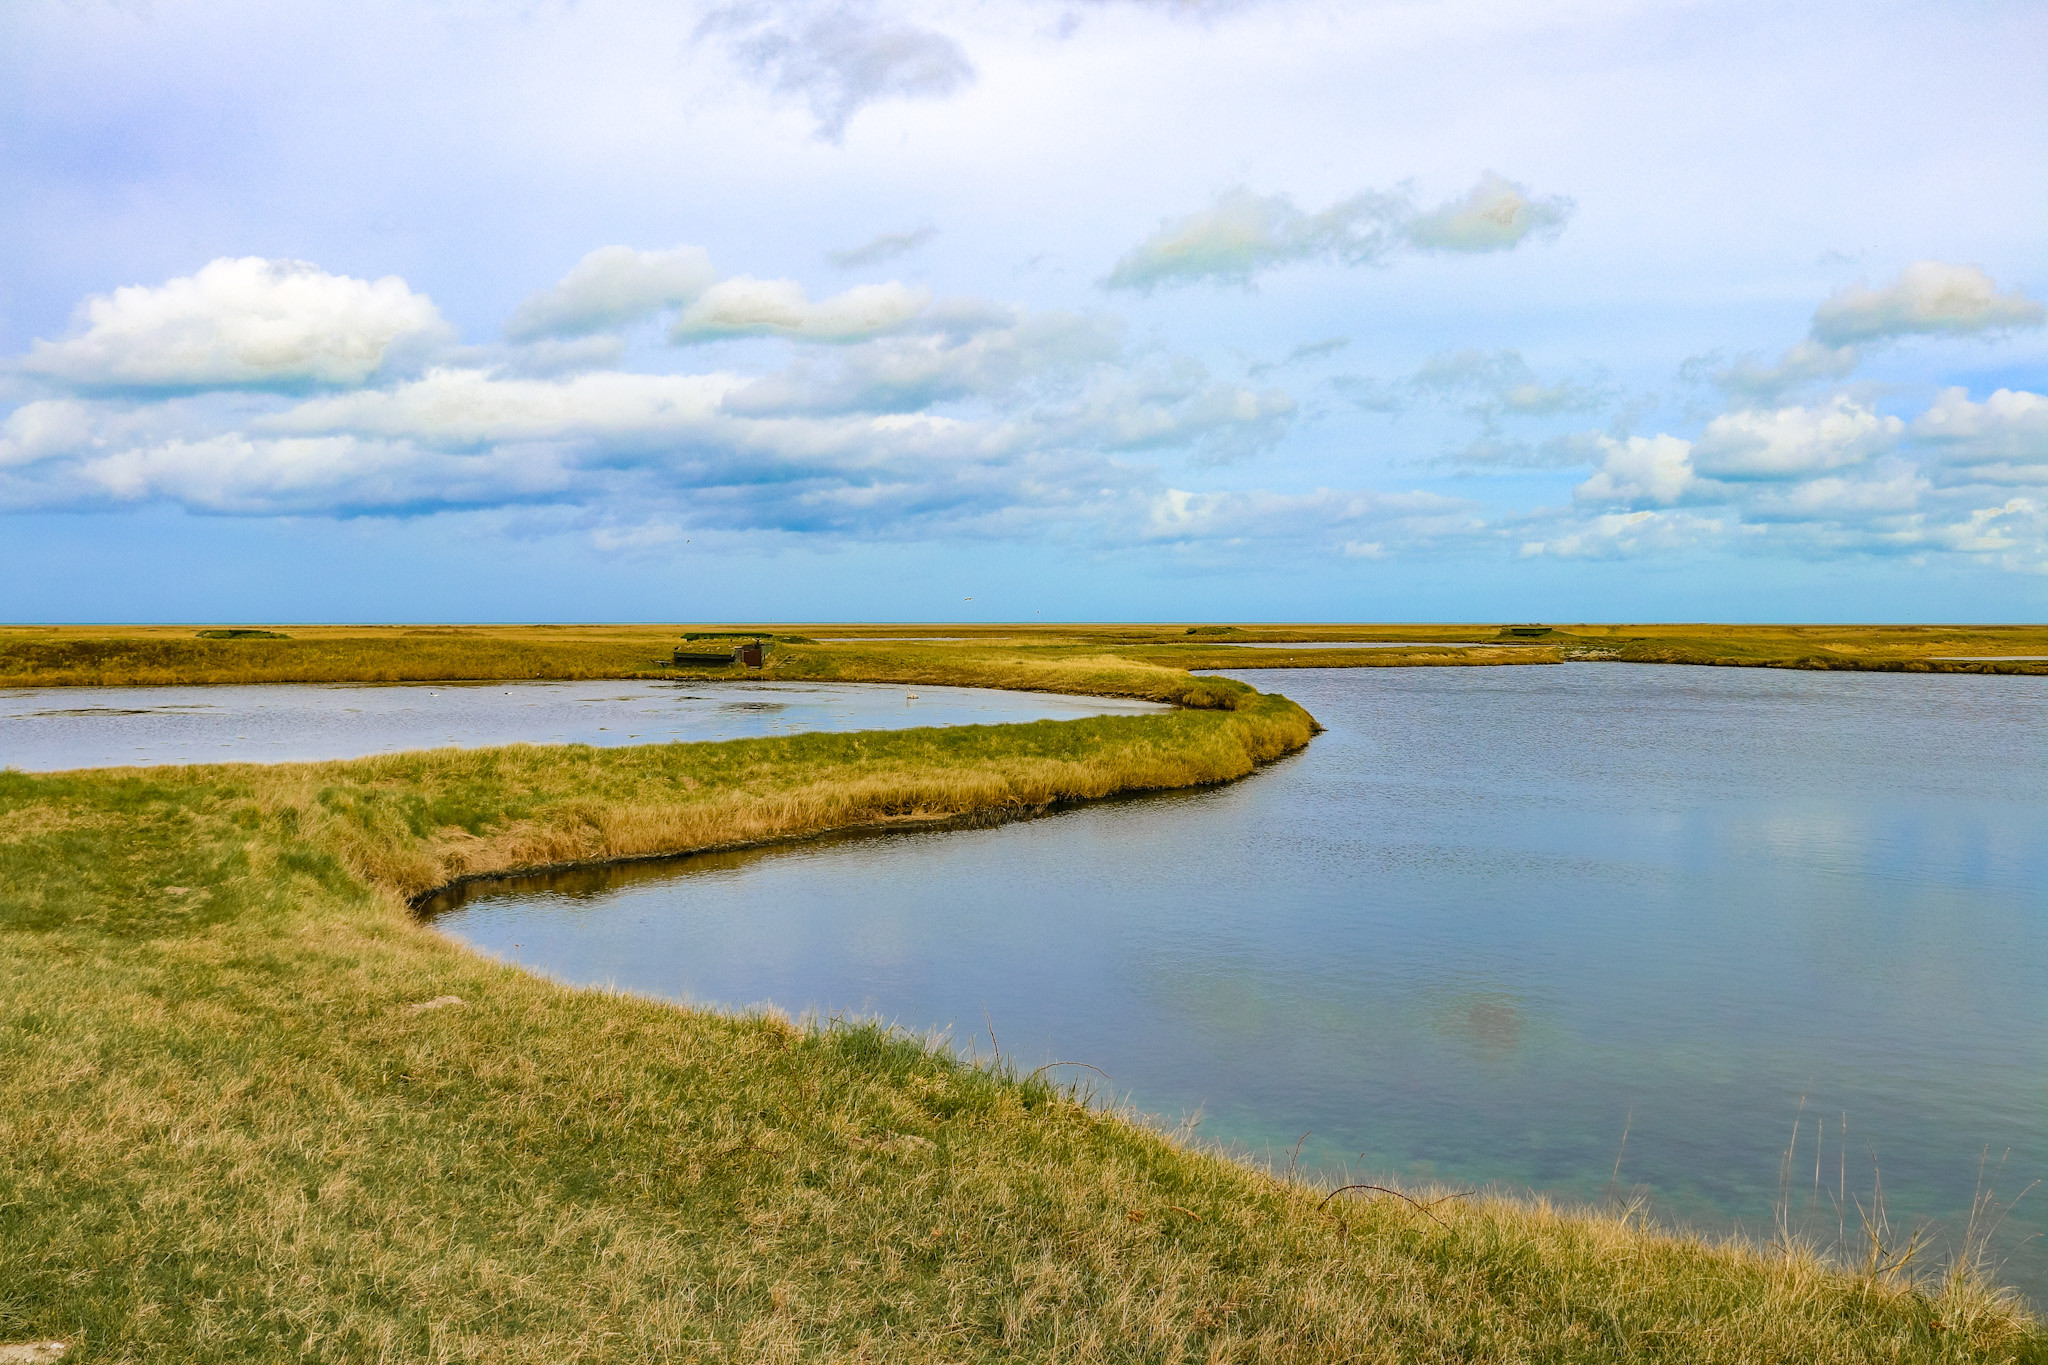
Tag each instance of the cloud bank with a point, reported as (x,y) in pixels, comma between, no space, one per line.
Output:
(268,388)
(890,415)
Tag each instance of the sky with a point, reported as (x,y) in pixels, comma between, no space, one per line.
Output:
(1389,310)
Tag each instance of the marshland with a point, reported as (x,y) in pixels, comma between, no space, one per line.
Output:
(260,1104)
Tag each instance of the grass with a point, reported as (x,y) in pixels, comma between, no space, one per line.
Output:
(241,1121)
(132,655)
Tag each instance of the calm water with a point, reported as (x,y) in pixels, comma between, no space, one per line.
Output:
(1490,919)
(55,728)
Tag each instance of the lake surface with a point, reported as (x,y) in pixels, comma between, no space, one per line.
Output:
(55,728)
(1489,921)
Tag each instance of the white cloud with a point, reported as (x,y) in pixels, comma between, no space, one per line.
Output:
(36,431)
(971,351)
(699,431)
(1640,469)
(840,58)
(2003,439)
(1495,215)
(2015,532)
(1327,515)
(1066,379)
(243,323)
(1792,442)
(744,306)
(323,476)
(612,287)
(470,409)
(1243,233)
(1837,499)
(1927,297)
(1627,535)
(1174,402)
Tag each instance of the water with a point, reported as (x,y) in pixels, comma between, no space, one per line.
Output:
(55,728)
(1486,922)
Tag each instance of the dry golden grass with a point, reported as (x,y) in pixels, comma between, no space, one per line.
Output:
(229,1131)
(81,655)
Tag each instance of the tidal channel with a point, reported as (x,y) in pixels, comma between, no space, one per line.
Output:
(51,729)
(1786,931)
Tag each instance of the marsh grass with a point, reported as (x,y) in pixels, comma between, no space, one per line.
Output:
(253,1109)
(1009,656)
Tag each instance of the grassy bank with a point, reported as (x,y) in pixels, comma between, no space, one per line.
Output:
(243,1117)
(142,655)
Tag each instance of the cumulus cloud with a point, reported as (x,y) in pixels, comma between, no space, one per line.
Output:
(1640,469)
(1795,442)
(1783,445)
(840,58)
(1928,297)
(2003,439)
(247,323)
(920,413)
(1495,215)
(37,431)
(1814,481)
(612,287)
(744,306)
(886,247)
(2014,532)
(1243,233)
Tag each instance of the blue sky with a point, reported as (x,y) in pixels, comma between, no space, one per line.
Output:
(1082,309)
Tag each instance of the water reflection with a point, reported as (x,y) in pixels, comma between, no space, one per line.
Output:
(1488,921)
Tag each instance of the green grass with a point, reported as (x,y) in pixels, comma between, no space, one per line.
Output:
(228,1131)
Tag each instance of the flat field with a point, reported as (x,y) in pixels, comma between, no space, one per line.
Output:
(128,655)
(254,1109)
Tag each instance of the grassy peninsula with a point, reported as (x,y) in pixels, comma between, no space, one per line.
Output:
(254,1109)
